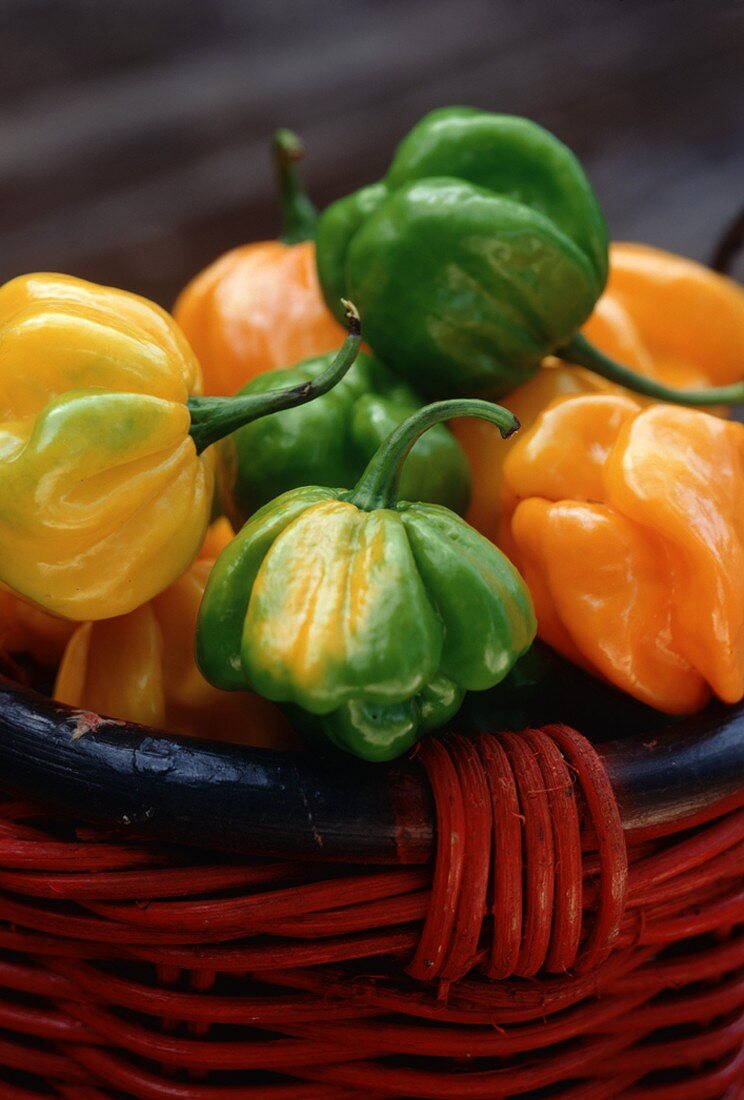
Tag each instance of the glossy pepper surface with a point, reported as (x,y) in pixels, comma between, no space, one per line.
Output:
(140,667)
(370,616)
(667,317)
(331,440)
(482,251)
(104,492)
(259,306)
(628,524)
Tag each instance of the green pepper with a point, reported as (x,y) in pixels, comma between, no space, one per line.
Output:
(368,615)
(332,440)
(482,251)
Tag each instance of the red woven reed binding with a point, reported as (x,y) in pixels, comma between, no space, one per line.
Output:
(523,797)
(132,969)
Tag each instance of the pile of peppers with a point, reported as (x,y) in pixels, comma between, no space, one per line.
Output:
(383,556)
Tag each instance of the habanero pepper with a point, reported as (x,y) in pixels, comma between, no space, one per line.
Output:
(628,525)
(668,317)
(482,251)
(140,667)
(259,306)
(369,616)
(331,440)
(26,630)
(105,492)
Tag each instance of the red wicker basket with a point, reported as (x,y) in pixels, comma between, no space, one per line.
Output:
(577,933)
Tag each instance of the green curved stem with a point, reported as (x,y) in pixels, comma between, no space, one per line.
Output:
(298,213)
(583,354)
(378,485)
(212,418)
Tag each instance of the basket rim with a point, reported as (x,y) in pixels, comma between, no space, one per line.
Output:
(291,804)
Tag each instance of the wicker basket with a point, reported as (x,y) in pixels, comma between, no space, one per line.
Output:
(197,922)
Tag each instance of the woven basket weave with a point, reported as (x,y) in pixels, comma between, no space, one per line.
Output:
(544,951)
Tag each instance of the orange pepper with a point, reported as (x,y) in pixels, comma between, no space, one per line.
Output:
(662,315)
(27,629)
(259,306)
(628,525)
(140,667)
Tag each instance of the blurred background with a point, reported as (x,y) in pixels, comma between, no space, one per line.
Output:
(133,133)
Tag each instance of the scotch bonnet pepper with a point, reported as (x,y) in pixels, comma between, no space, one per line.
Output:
(105,493)
(482,251)
(666,316)
(331,440)
(370,616)
(259,306)
(628,525)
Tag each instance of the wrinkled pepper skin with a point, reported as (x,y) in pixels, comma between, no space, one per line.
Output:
(106,472)
(259,307)
(369,616)
(628,525)
(103,499)
(140,667)
(667,317)
(481,251)
(331,440)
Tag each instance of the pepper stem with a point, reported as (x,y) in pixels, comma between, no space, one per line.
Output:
(378,485)
(583,354)
(212,418)
(298,213)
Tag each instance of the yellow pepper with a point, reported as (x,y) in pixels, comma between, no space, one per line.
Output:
(664,316)
(628,526)
(104,492)
(140,667)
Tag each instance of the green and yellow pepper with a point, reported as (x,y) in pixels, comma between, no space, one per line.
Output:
(331,440)
(140,667)
(628,525)
(369,616)
(481,252)
(105,493)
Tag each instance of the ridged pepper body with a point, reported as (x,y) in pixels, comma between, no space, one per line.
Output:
(628,524)
(140,667)
(330,441)
(667,317)
(482,250)
(103,499)
(374,622)
(367,616)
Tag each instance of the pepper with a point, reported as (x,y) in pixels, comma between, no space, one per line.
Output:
(482,251)
(330,441)
(259,306)
(105,493)
(27,630)
(140,667)
(369,616)
(627,523)
(666,316)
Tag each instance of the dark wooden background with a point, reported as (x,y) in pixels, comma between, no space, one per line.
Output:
(133,132)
